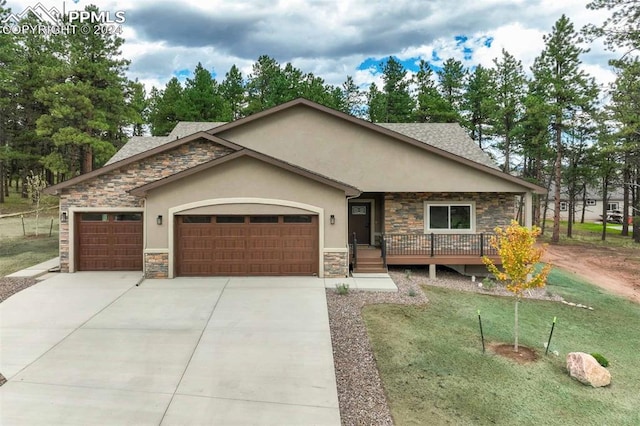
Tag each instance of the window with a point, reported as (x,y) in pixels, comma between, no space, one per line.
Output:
(591,202)
(613,206)
(95,217)
(297,219)
(449,217)
(229,219)
(564,206)
(128,217)
(196,219)
(263,219)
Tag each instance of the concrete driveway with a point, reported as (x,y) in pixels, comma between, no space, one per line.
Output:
(92,348)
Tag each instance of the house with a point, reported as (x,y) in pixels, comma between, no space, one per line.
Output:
(285,192)
(591,203)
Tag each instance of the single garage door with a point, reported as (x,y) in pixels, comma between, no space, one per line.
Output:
(109,241)
(247,245)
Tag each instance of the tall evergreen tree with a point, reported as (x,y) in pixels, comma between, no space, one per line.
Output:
(397,100)
(352,98)
(201,100)
(164,111)
(431,105)
(508,108)
(264,85)
(451,78)
(567,87)
(479,102)
(376,105)
(233,93)
(136,98)
(87,110)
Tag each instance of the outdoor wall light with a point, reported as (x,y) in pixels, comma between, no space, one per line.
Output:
(159,219)
(63,217)
(332,219)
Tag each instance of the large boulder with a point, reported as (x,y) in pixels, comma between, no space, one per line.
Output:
(584,368)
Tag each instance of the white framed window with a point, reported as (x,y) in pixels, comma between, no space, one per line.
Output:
(613,206)
(591,202)
(564,206)
(449,217)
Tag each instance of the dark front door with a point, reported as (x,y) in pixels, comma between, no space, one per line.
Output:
(360,222)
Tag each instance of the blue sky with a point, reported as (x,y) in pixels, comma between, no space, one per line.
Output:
(334,38)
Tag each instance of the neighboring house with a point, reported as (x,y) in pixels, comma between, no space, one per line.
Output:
(284,192)
(592,205)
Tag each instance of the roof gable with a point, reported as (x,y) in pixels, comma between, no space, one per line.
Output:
(348,189)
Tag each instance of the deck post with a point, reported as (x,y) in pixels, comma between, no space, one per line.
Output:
(432,271)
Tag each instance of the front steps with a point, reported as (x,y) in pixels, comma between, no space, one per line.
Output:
(369,261)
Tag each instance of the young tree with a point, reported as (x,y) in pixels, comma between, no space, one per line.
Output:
(352,98)
(519,255)
(35,185)
(567,88)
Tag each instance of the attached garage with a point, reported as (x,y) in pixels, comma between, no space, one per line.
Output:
(109,241)
(210,245)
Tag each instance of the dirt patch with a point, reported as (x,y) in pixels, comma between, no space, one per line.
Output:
(525,355)
(616,269)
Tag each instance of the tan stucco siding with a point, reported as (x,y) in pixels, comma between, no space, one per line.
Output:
(360,157)
(244,209)
(241,179)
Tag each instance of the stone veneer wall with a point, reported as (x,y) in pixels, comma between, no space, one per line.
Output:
(336,265)
(110,189)
(156,265)
(404,212)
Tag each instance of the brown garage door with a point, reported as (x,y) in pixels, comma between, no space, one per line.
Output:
(109,241)
(247,245)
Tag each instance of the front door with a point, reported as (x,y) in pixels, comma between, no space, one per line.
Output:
(360,222)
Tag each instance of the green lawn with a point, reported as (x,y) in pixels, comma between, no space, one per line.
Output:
(431,362)
(20,253)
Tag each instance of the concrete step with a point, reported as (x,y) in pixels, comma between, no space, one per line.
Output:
(370,270)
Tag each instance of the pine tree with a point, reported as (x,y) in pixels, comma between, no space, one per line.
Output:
(351,98)
(201,100)
(621,29)
(567,89)
(398,102)
(510,89)
(233,92)
(164,111)
(87,113)
(478,101)
(376,106)
(451,78)
(431,106)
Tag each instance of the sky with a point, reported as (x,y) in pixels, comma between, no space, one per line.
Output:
(333,38)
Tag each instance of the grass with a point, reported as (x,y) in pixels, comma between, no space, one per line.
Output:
(19,251)
(591,233)
(431,362)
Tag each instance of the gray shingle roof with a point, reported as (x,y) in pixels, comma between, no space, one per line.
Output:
(450,137)
(138,144)
(446,136)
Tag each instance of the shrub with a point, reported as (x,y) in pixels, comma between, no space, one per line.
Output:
(412,293)
(488,283)
(601,359)
(342,288)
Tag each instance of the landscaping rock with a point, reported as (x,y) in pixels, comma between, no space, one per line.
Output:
(584,368)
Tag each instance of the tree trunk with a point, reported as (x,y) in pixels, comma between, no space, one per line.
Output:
(584,202)
(1,182)
(87,159)
(605,195)
(515,329)
(626,178)
(555,237)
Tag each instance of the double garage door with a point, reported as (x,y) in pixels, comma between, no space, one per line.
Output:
(208,245)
